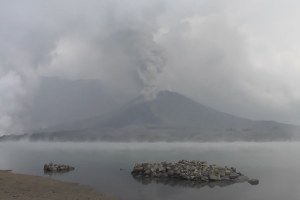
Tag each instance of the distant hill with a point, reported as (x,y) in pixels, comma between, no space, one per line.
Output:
(61,101)
(168,117)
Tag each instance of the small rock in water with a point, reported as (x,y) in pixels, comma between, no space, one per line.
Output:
(57,167)
(253,181)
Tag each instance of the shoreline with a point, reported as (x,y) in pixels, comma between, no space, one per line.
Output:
(29,187)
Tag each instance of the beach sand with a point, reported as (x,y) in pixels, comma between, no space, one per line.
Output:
(27,187)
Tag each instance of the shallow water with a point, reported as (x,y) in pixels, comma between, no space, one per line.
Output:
(98,165)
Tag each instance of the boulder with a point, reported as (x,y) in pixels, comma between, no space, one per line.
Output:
(253,181)
(214,177)
(233,175)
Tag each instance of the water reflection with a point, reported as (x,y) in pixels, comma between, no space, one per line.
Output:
(173,182)
(56,173)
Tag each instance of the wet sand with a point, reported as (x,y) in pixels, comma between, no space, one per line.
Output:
(27,187)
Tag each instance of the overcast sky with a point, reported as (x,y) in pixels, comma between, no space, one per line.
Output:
(241,57)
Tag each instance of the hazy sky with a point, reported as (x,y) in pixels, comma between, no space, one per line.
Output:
(241,57)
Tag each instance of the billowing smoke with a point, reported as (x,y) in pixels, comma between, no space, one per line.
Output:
(147,57)
(150,65)
(226,54)
(11,90)
(114,44)
(16,90)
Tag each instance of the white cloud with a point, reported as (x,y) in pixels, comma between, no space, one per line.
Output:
(240,57)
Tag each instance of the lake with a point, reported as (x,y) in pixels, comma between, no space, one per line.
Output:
(276,165)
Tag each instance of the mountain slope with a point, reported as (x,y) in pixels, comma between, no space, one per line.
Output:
(167,110)
(172,110)
(169,117)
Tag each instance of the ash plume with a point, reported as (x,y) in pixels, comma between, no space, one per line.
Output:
(225,55)
(148,59)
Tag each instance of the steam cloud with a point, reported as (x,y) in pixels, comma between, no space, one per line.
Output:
(114,45)
(150,62)
(225,54)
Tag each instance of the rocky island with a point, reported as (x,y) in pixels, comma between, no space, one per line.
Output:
(57,168)
(189,172)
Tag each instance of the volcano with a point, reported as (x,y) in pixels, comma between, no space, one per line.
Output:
(169,117)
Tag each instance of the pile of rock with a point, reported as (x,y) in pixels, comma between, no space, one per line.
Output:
(57,168)
(196,171)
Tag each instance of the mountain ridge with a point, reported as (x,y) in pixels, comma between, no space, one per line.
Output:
(169,117)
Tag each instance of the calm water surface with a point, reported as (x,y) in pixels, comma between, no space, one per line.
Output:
(276,165)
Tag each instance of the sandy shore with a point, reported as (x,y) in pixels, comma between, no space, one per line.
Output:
(26,187)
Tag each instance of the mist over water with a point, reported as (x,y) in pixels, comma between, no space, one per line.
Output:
(98,165)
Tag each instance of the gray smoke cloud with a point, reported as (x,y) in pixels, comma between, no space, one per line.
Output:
(229,55)
(146,55)
(237,57)
(112,44)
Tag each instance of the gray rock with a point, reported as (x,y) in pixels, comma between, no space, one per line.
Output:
(147,172)
(233,175)
(138,169)
(170,172)
(253,181)
(189,171)
(204,178)
(233,169)
(214,177)
(57,168)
